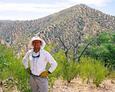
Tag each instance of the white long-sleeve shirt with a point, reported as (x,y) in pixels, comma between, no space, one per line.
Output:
(38,65)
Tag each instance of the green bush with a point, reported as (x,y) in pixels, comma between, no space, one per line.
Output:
(103,48)
(10,66)
(59,57)
(87,68)
(66,70)
(70,70)
(92,69)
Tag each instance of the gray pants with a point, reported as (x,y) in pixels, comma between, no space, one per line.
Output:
(38,84)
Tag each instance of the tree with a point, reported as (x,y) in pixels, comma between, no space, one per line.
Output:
(69,39)
(103,48)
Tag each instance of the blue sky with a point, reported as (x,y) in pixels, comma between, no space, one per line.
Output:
(34,9)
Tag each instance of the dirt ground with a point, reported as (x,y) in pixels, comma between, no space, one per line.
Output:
(77,85)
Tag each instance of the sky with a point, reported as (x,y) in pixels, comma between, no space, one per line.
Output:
(34,9)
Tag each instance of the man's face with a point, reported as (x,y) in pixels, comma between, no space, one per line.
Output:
(36,44)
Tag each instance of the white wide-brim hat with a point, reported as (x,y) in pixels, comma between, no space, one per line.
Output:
(37,38)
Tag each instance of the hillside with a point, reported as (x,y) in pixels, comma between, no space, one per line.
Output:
(76,18)
(85,56)
(84,76)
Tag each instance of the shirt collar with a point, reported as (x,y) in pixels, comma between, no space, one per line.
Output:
(34,54)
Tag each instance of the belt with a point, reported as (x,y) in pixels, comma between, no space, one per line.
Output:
(34,75)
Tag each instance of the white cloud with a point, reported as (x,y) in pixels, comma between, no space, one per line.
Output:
(29,7)
(23,7)
(98,3)
(36,10)
(28,10)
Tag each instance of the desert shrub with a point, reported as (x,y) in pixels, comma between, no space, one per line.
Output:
(103,48)
(92,69)
(10,66)
(70,70)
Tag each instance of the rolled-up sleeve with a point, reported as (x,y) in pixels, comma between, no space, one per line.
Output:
(25,60)
(52,62)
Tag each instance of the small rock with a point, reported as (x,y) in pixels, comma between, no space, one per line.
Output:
(113,81)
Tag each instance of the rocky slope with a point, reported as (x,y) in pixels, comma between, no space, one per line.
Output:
(73,19)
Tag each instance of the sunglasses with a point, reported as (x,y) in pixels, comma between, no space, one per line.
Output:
(36,56)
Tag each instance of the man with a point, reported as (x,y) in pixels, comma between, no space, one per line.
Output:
(35,62)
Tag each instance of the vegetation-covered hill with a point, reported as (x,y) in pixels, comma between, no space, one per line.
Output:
(88,73)
(73,19)
(78,33)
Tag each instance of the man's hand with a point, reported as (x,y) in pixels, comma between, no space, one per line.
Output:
(28,70)
(44,74)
